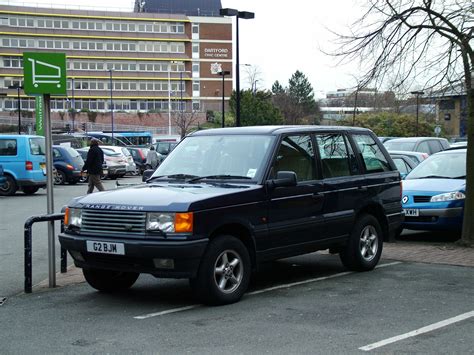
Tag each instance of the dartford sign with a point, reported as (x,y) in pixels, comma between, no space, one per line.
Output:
(216,52)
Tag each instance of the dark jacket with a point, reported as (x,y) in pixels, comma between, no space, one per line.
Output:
(94,161)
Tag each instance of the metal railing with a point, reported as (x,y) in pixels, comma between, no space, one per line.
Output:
(28,246)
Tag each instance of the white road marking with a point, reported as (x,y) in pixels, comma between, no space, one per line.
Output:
(428,328)
(176,310)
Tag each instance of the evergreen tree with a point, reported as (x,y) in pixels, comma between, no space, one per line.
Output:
(277,88)
(256,108)
(301,92)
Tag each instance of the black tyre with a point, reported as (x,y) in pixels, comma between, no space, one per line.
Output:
(224,273)
(113,177)
(9,187)
(59,178)
(30,190)
(109,281)
(364,248)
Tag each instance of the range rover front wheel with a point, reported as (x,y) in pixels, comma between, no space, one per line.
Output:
(108,280)
(224,273)
(364,247)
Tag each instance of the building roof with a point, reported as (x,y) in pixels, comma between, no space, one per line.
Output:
(184,7)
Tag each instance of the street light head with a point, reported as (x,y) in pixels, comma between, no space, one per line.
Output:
(229,12)
(417,92)
(224,72)
(246,15)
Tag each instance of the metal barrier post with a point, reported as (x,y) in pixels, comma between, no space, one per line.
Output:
(28,246)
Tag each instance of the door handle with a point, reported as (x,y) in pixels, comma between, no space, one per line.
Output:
(363,188)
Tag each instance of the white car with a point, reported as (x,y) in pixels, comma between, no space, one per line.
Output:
(131,167)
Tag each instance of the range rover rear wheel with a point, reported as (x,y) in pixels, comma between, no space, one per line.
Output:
(364,248)
(224,273)
(109,281)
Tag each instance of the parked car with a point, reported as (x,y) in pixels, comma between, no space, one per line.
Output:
(434,192)
(457,145)
(415,156)
(164,148)
(403,162)
(24,163)
(428,145)
(386,139)
(139,157)
(3,179)
(130,165)
(226,200)
(68,163)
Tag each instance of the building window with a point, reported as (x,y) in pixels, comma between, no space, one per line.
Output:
(195,28)
(196,106)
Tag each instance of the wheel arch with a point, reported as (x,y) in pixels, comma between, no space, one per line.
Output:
(377,211)
(243,234)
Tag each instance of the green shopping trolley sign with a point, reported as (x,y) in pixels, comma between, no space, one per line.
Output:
(44,73)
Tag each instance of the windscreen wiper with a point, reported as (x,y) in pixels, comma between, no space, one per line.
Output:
(174,176)
(198,178)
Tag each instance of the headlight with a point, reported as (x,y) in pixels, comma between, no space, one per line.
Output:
(449,196)
(73,217)
(170,222)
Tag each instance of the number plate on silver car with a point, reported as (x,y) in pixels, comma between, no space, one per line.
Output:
(105,247)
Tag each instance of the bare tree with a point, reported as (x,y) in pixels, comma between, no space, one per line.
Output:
(184,121)
(414,41)
(254,75)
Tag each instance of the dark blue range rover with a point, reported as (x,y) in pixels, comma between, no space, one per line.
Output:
(225,200)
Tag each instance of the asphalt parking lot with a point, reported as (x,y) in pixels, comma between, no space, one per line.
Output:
(419,300)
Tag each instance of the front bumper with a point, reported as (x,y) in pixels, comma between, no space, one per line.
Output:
(139,255)
(435,218)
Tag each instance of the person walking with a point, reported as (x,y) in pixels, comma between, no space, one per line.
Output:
(93,166)
(152,158)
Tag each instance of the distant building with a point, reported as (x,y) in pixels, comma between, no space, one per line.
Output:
(341,103)
(162,52)
(451,105)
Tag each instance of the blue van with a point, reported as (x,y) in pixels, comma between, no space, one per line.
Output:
(24,163)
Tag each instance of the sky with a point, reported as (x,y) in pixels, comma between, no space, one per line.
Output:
(284,36)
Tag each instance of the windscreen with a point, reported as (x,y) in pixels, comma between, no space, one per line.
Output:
(450,166)
(239,155)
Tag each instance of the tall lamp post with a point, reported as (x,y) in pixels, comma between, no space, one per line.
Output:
(73,104)
(111,104)
(246,15)
(223,73)
(18,87)
(417,93)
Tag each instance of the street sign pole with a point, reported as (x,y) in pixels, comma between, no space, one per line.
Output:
(45,75)
(49,188)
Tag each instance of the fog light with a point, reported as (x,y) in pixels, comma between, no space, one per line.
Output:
(164,263)
(76,255)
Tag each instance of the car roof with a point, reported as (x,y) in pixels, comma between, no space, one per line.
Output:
(274,130)
(405,152)
(452,151)
(412,139)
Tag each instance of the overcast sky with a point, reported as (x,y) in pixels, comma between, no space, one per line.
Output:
(285,36)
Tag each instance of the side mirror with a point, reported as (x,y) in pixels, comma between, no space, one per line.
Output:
(284,179)
(147,174)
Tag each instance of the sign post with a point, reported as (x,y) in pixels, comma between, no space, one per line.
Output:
(44,74)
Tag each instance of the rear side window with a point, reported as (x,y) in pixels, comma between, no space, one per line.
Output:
(373,158)
(56,153)
(401,165)
(296,153)
(423,147)
(37,146)
(8,147)
(334,156)
(435,146)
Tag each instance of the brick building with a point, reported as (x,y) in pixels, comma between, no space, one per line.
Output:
(156,59)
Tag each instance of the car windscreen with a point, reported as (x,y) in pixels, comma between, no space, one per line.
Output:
(450,166)
(235,155)
(391,145)
(37,146)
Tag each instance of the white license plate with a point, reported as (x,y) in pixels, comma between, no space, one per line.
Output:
(105,247)
(411,212)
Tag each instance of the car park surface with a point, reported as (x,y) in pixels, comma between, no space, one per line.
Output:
(434,192)
(183,222)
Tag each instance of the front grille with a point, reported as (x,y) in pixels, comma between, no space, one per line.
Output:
(114,223)
(421,199)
